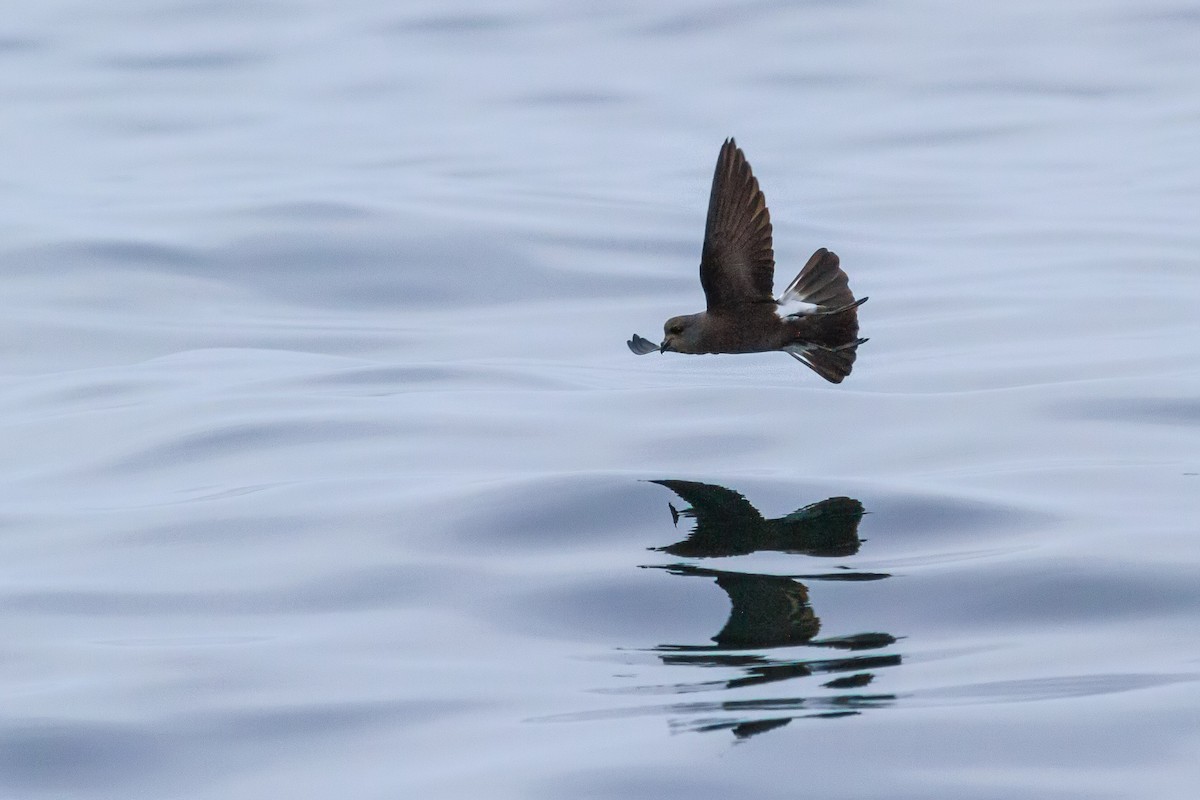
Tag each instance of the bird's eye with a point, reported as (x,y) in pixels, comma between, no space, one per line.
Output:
(676,329)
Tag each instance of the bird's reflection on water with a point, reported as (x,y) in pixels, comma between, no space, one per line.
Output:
(727,525)
(770,612)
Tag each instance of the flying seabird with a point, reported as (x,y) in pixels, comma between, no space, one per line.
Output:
(815,320)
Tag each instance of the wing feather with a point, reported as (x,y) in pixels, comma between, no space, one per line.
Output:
(737,265)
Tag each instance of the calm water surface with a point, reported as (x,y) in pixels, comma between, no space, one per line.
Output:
(326,471)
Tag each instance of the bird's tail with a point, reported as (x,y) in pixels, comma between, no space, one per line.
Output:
(831,363)
(828,326)
(823,284)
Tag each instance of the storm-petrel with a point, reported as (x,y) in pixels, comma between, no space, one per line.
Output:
(815,320)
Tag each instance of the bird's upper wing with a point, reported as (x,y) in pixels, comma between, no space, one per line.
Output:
(737,265)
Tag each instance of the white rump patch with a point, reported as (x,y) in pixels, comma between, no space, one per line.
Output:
(793,306)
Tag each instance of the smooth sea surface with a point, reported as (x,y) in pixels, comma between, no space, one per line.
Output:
(325,471)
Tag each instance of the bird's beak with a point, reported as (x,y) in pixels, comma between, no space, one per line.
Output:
(665,346)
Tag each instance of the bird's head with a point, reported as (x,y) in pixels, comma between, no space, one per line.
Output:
(681,334)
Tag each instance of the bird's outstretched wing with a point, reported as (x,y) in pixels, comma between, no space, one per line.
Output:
(737,265)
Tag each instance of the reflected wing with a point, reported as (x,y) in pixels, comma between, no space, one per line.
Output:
(737,265)
(768,611)
(641,346)
(714,504)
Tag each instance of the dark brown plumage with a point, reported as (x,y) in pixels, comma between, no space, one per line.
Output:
(737,270)
(737,264)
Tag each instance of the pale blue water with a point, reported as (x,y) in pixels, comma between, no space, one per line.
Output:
(326,471)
